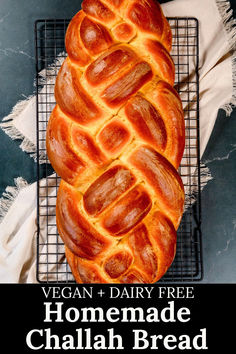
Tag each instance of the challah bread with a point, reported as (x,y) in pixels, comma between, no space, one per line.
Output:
(116,138)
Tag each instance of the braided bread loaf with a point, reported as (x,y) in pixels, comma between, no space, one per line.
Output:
(116,138)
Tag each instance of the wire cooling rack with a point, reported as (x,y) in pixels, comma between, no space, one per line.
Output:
(50,53)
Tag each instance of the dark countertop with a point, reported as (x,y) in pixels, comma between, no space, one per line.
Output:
(17,73)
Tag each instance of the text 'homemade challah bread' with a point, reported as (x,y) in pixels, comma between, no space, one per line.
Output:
(116,139)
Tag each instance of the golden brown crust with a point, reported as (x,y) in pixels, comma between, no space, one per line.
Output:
(116,138)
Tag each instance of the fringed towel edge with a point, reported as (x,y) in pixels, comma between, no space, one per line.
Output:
(10,194)
(192,194)
(8,126)
(8,123)
(229,23)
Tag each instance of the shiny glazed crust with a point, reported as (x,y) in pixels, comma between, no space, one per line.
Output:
(116,138)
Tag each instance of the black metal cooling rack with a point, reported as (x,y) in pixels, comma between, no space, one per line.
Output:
(50,52)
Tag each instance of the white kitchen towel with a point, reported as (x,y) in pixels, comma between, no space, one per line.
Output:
(217,67)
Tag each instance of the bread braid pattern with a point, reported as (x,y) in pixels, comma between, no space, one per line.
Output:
(116,138)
